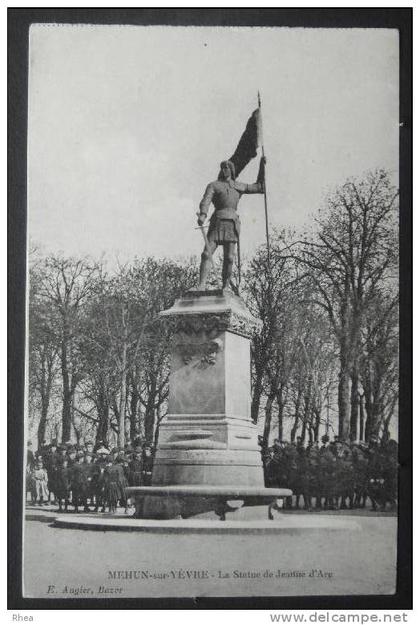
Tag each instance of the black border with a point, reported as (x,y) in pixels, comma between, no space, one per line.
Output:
(19,21)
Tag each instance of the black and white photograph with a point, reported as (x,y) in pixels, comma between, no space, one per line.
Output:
(212,369)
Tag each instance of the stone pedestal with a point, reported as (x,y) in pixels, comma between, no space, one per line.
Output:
(207,437)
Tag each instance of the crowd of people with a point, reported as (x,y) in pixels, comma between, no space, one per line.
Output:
(88,477)
(334,475)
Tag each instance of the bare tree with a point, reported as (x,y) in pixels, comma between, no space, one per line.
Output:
(352,254)
(65,285)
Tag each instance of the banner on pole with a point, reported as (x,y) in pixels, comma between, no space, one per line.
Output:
(249,142)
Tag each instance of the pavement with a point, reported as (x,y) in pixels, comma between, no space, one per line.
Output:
(69,563)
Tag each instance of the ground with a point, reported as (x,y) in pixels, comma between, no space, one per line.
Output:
(73,562)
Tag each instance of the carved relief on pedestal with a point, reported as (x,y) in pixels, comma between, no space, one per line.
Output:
(204,353)
(213,323)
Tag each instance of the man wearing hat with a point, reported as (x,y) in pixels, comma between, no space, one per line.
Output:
(98,479)
(91,470)
(71,454)
(51,461)
(135,466)
(79,484)
(147,465)
(224,228)
(89,446)
(63,484)
(62,453)
(114,484)
(325,439)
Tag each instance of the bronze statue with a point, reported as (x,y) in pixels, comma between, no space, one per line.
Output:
(224,227)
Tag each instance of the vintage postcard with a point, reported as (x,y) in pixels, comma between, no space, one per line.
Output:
(212,371)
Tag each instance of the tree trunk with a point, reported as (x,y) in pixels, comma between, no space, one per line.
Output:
(150,413)
(354,410)
(296,421)
(134,402)
(103,418)
(361,418)
(344,396)
(280,404)
(390,414)
(256,397)
(42,426)
(123,387)
(267,421)
(303,431)
(46,381)
(317,414)
(67,393)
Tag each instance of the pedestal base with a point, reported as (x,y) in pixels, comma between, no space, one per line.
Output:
(169,502)
(207,438)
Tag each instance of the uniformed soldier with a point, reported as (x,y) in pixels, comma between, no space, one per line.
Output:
(79,484)
(375,474)
(63,484)
(72,455)
(99,478)
(299,481)
(327,462)
(313,476)
(361,464)
(62,453)
(123,460)
(346,477)
(271,469)
(114,484)
(91,470)
(282,468)
(135,473)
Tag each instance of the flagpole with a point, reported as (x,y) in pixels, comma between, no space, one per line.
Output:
(265,195)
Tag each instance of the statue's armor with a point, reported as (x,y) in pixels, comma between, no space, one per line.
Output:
(225,195)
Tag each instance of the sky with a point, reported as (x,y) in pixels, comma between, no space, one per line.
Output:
(128,124)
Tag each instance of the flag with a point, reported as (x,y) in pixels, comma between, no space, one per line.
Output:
(248,143)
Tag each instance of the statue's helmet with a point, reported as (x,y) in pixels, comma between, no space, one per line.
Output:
(231,167)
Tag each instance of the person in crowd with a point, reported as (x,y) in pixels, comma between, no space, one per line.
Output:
(40,478)
(390,472)
(312,476)
(63,484)
(98,485)
(345,477)
(29,469)
(79,484)
(328,478)
(114,482)
(89,446)
(90,469)
(51,462)
(71,454)
(135,468)
(122,461)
